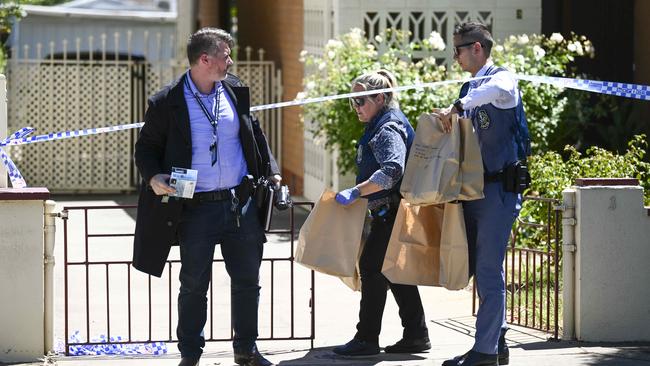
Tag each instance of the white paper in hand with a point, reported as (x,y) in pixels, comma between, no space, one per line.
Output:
(184,181)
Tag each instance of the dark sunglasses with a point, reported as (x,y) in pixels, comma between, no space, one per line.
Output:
(357,102)
(457,48)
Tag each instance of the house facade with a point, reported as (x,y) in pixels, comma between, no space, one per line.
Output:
(92,22)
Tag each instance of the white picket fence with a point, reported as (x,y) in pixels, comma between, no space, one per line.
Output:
(61,87)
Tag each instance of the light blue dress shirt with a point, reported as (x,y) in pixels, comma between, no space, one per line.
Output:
(230,167)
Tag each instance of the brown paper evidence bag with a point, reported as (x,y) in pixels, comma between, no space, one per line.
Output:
(330,239)
(428,244)
(443,167)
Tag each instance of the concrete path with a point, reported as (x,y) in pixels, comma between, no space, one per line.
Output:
(451,326)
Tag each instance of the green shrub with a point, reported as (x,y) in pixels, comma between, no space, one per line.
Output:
(9,12)
(551,174)
(547,56)
(351,55)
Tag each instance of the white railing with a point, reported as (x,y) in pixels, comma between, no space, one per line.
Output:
(319,24)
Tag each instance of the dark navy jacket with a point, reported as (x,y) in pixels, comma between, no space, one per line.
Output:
(502,133)
(367,163)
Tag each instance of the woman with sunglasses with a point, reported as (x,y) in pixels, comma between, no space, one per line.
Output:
(381,157)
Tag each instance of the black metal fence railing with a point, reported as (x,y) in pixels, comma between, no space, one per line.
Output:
(106,302)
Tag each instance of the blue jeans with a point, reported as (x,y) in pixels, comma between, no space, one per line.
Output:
(202,226)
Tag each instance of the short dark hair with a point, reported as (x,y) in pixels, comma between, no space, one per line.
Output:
(207,40)
(475,32)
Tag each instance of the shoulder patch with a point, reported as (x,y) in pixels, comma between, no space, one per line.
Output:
(483,119)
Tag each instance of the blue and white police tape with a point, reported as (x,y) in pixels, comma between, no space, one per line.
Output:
(20,138)
(627,90)
(297,102)
(114,346)
(23,140)
(17,180)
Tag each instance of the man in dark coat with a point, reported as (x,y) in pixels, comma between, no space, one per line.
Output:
(203,122)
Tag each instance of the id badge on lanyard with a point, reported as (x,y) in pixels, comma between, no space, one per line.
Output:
(213,118)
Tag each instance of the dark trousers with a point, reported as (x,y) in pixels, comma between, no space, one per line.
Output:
(374,287)
(202,226)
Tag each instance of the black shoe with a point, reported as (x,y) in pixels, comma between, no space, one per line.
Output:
(357,347)
(504,352)
(409,345)
(252,359)
(473,358)
(189,361)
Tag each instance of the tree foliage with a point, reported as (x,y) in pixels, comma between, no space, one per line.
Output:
(546,56)
(552,173)
(9,13)
(351,55)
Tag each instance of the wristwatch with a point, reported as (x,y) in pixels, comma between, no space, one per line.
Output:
(459,106)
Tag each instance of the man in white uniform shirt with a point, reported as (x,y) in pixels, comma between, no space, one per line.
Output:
(494,105)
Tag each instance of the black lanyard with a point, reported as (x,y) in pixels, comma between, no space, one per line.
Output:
(214,120)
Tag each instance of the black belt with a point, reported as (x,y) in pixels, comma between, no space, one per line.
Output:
(211,196)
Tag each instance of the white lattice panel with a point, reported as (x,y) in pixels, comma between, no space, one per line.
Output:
(56,96)
(420,23)
(57,93)
(265,83)
(317,166)
(159,75)
(86,116)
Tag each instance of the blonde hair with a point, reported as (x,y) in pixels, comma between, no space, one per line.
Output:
(380,79)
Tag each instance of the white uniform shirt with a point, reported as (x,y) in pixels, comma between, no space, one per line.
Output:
(500,90)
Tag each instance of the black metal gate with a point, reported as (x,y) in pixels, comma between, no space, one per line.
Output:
(106,302)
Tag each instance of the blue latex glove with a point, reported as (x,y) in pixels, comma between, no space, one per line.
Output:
(347,196)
